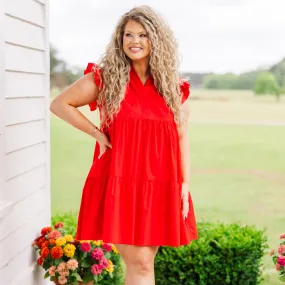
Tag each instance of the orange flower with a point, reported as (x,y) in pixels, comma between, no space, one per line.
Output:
(46,230)
(40,242)
(44,252)
(45,244)
(52,241)
(40,261)
(56,252)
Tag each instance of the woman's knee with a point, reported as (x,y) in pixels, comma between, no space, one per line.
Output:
(141,264)
(140,259)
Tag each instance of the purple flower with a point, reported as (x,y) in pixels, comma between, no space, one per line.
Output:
(95,269)
(97,253)
(85,247)
(107,246)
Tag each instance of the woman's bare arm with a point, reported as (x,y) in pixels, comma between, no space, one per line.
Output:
(185,156)
(80,93)
(184,141)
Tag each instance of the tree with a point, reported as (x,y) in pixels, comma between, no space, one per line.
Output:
(220,81)
(56,64)
(246,80)
(279,71)
(266,83)
(61,74)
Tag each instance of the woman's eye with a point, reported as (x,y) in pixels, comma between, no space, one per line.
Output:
(128,35)
(143,35)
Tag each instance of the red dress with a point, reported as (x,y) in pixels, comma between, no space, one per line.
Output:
(132,194)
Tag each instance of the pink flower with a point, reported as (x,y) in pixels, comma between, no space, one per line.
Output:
(85,247)
(51,270)
(62,280)
(278,266)
(272,251)
(282,236)
(62,269)
(97,253)
(104,263)
(281,260)
(95,269)
(281,249)
(54,235)
(59,225)
(107,246)
(72,264)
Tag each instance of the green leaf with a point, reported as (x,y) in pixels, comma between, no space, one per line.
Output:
(46,265)
(87,278)
(57,261)
(108,255)
(282,277)
(78,278)
(46,275)
(85,263)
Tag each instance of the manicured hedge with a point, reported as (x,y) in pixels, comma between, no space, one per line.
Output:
(223,254)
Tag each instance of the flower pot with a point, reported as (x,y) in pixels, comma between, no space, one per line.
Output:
(80,283)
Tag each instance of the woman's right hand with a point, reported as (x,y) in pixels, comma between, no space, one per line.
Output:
(103,141)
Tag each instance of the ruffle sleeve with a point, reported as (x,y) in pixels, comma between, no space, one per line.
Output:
(92,67)
(185,90)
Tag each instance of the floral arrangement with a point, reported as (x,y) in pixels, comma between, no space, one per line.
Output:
(278,257)
(70,261)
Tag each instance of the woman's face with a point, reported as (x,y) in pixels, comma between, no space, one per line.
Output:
(136,43)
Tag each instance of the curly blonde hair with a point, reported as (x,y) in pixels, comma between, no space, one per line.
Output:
(163,65)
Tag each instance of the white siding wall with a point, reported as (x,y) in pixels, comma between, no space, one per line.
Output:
(24,137)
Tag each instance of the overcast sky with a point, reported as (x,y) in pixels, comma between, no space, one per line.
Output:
(213,35)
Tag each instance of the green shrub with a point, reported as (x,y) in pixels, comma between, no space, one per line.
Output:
(223,254)
(70,223)
(69,219)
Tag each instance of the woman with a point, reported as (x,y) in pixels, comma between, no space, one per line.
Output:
(136,194)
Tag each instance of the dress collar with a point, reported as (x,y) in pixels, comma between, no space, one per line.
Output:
(134,76)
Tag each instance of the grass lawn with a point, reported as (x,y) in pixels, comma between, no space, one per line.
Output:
(237,169)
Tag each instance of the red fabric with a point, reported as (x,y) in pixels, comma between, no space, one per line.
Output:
(91,67)
(185,89)
(132,194)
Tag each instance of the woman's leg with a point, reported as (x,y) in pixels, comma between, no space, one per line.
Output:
(139,262)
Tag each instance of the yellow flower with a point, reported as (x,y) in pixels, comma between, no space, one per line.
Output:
(69,250)
(82,241)
(114,249)
(97,242)
(68,238)
(110,267)
(60,241)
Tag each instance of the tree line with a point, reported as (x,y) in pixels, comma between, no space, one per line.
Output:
(261,81)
